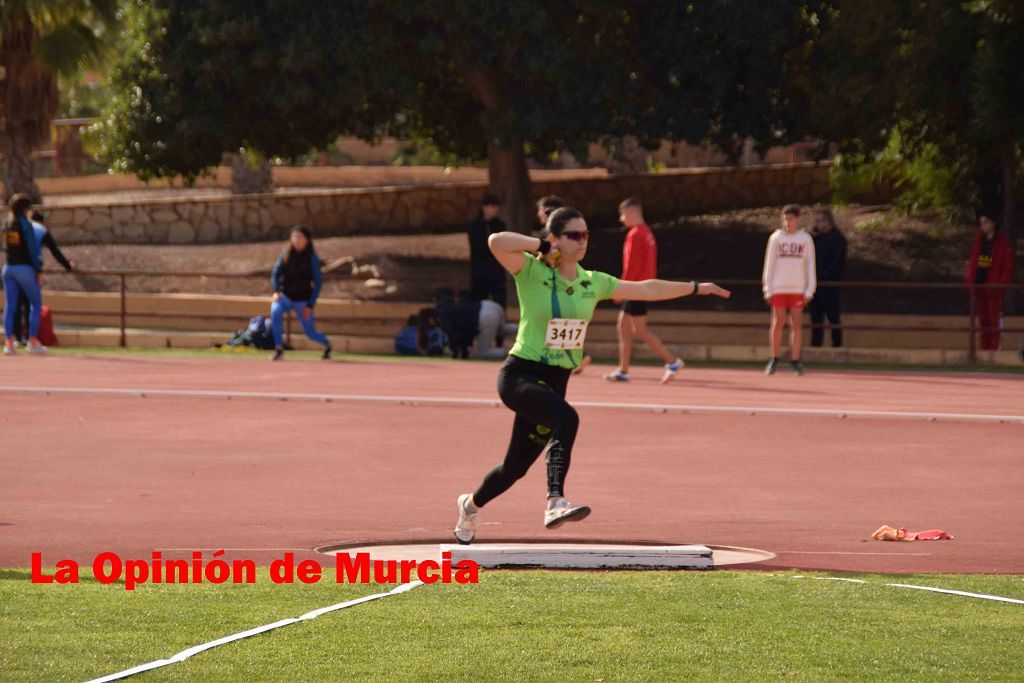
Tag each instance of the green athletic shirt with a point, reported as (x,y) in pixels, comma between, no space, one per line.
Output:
(539,302)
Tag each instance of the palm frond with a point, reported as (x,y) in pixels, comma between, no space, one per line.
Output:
(69,48)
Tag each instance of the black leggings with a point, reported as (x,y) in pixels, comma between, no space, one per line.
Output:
(826,304)
(536,393)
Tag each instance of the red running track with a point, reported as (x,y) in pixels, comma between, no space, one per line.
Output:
(98,471)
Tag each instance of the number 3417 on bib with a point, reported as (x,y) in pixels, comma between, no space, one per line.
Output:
(566,333)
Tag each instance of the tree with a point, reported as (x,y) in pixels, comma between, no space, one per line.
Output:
(479,80)
(201,78)
(40,39)
(929,80)
(508,81)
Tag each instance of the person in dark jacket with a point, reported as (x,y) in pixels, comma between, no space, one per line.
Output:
(459,319)
(44,239)
(22,273)
(297,280)
(830,261)
(466,323)
(487,277)
(990,266)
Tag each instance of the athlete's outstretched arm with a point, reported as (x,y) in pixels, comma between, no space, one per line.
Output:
(508,248)
(662,290)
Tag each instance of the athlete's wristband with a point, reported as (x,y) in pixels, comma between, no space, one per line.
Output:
(544,247)
(696,287)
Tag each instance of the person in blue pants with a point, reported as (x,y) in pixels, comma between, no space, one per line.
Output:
(297,280)
(22,274)
(44,239)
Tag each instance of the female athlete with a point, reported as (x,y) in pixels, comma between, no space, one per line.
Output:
(557,297)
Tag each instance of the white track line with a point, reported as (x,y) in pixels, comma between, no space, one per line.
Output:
(492,403)
(196,649)
(946,591)
(829,578)
(983,596)
(832,552)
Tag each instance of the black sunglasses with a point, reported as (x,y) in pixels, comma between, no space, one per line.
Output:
(577,235)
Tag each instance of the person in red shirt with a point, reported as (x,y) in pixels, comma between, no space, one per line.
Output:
(639,262)
(991,264)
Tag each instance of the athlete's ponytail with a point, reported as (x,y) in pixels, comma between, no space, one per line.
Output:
(19,204)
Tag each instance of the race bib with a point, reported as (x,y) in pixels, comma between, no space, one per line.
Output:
(566,333)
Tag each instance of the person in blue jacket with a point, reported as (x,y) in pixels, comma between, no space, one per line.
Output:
(44,238)
(297,280)
(22,273)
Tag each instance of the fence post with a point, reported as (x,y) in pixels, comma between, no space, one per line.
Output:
(124,311)
(972,347)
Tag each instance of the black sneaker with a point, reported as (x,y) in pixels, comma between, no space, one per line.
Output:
(797,367)
(772,366)
(327,352)
(278,354)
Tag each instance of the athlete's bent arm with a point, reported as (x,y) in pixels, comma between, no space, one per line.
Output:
(662,290)
(508,248)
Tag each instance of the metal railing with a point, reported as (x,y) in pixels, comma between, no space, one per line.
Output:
(455,284)
(971,329)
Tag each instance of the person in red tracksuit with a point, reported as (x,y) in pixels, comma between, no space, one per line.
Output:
(991,264)
(639,262)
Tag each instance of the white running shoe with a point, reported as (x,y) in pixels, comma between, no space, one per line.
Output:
(9,350)
(36,348)
(617,376)
(561,511)
(672,369)
(465,528)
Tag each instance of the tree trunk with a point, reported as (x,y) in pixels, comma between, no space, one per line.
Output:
(28,100)
(250,175)
(510,180)
(18,171)
(506,156)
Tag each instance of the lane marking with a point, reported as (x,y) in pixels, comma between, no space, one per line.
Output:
(494,403)
(930,589)
(202,647)
(829,578)
(838,552)
(982,596)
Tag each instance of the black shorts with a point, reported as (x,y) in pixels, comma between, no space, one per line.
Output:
(634,307)
(515,371)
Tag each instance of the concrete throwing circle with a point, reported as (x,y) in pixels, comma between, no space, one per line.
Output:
(562,555)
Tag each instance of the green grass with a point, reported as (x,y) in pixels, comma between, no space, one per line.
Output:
(528,625)
(314,355)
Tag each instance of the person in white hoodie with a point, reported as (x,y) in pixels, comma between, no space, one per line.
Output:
(789,282)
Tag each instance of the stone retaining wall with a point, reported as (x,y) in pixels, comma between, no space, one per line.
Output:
(425,208)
